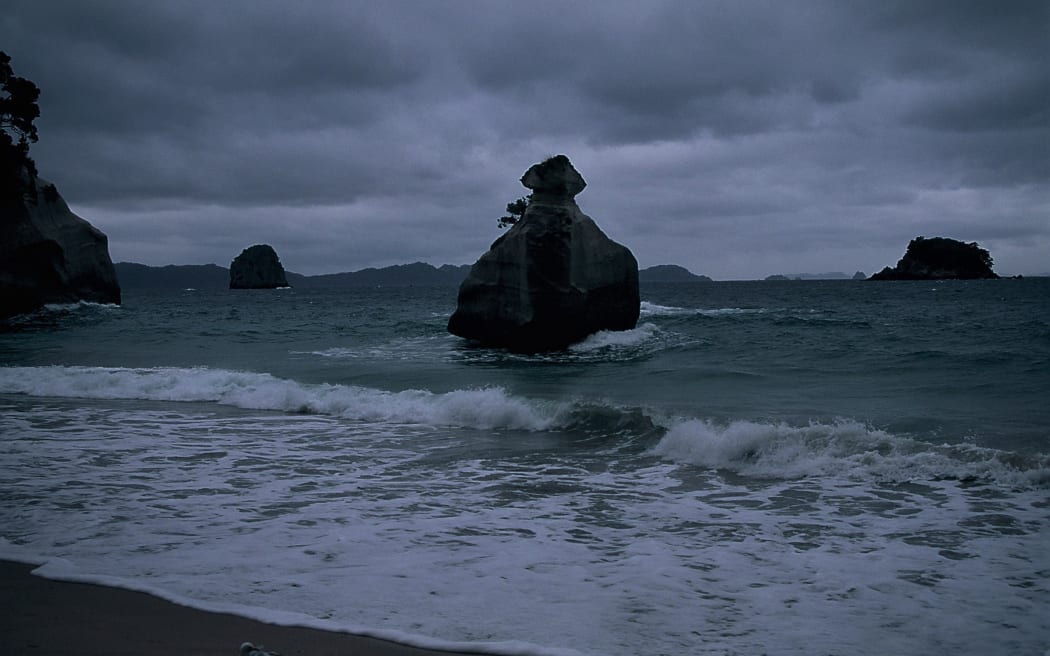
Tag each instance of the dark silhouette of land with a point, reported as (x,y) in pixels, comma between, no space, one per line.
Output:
(663,273)
(48,254)
(940,258)
(417,274)
(212,276)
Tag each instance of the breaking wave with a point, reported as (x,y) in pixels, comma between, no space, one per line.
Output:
(483,408)
(611,339)
(79,305)
(655,310)
(842,449)
(603,346)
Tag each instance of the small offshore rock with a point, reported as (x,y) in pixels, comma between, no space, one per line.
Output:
(940,258)
(257,267)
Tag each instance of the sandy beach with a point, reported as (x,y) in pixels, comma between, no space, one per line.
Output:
(52,618)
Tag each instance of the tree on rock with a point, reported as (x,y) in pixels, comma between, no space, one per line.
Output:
(48,254)
(18,110)
(515,211)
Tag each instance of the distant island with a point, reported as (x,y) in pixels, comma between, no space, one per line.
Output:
(172,276)
(831,275)
(212,276)
(664,273)
(940,258)
(257,267)
(418,274)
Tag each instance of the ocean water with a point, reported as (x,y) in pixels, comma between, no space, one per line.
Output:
(827,467)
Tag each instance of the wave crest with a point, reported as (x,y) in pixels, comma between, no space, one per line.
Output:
(483,408)
(649,309)
(845,449)
(605,339)
(79,305)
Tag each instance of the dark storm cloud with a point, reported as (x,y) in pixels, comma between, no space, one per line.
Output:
(207,99)
(736,138)
(639,73)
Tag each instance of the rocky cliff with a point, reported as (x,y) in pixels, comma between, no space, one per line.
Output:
(48,254)
(553,278)
(257,267)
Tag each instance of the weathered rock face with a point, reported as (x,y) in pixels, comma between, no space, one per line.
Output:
(257,267)
(48,254)
(940,258)
(553,278)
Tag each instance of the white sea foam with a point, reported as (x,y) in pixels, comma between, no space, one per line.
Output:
(59,309)
(338,352)
(483,408)
(843,449)
(605,339)
(723,312)
(412,349)
(79,305)
(649,309)
(745,537)
(434,538)
(655,309)
(61,569)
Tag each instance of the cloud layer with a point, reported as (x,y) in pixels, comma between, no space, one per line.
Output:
(739,139)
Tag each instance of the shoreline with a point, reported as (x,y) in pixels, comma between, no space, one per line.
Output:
(45,617)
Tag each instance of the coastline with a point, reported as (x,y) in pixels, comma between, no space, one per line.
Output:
(45,617)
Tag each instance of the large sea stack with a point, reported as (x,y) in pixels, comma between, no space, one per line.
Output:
(553,278)
(48,254)
(940,258)
(257,267)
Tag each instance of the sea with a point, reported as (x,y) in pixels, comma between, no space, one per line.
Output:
(770,467)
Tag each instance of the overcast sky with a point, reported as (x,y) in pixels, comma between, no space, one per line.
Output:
(738,139)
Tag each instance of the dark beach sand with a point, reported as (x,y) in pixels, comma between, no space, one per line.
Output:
(51,618)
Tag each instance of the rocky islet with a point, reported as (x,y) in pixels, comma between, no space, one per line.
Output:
(553,278)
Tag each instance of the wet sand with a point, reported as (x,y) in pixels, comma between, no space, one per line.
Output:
(52,618)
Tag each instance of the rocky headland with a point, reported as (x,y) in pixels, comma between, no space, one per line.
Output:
(553,278)
(940,258)
(48,254)
(257,267)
